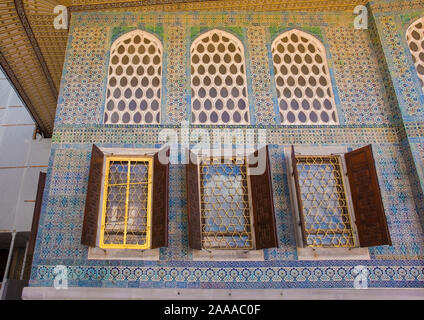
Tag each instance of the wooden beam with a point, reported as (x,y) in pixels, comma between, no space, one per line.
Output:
(24,97)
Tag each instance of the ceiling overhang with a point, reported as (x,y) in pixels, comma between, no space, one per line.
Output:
(32,52)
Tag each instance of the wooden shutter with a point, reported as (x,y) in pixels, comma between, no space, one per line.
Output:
(263,205)
(366,197)
(35,223)
(298,196)
(193,203)
(160,203)
(92,201)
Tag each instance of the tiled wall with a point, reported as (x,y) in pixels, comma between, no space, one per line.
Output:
(368,111)
(392,19)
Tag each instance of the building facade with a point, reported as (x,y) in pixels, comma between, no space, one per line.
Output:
(308,79)
(24,154)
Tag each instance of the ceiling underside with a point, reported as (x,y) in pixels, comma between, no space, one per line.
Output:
(32,52)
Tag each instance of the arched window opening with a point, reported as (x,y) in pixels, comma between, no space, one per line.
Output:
(415,39)
(218,80)
(305,93)
(135,80)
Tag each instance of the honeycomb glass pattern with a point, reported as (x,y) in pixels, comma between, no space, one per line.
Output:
(415,39)
(225,214)
(218,80)
(126,207)
(135,79)
(325,208)
(304,90)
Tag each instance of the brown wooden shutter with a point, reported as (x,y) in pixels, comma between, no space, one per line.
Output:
(263,205)
(35,223)
(193,203)
(92,201)
(298,196)
(160,202)
(366,197)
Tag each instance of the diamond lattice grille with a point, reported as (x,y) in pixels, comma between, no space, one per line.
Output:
(325,208)
(225,211)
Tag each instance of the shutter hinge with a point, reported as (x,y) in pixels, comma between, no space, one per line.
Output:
(34,134)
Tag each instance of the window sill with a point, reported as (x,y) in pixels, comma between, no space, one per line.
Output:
(122,254)
(228,255)
(309,253)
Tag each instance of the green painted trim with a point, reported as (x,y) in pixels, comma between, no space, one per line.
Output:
(275,31)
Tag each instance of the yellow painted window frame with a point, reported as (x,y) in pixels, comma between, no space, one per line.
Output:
(128,159)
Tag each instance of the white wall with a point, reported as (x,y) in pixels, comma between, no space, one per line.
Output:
(21,160)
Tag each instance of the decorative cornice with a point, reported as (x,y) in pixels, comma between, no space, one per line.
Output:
(193,5)
(126,4)
(395,6)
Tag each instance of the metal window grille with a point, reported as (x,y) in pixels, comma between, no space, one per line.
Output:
(225,211)
(127,203)
(325,209)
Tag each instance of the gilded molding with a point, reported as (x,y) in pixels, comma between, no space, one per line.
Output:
(190,5)
(379,6)
(31,37)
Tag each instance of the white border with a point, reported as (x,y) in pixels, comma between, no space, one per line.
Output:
(74,293)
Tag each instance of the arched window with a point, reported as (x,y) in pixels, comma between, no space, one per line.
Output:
(305,94)
(218,80)
(134,82)
(415,39)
